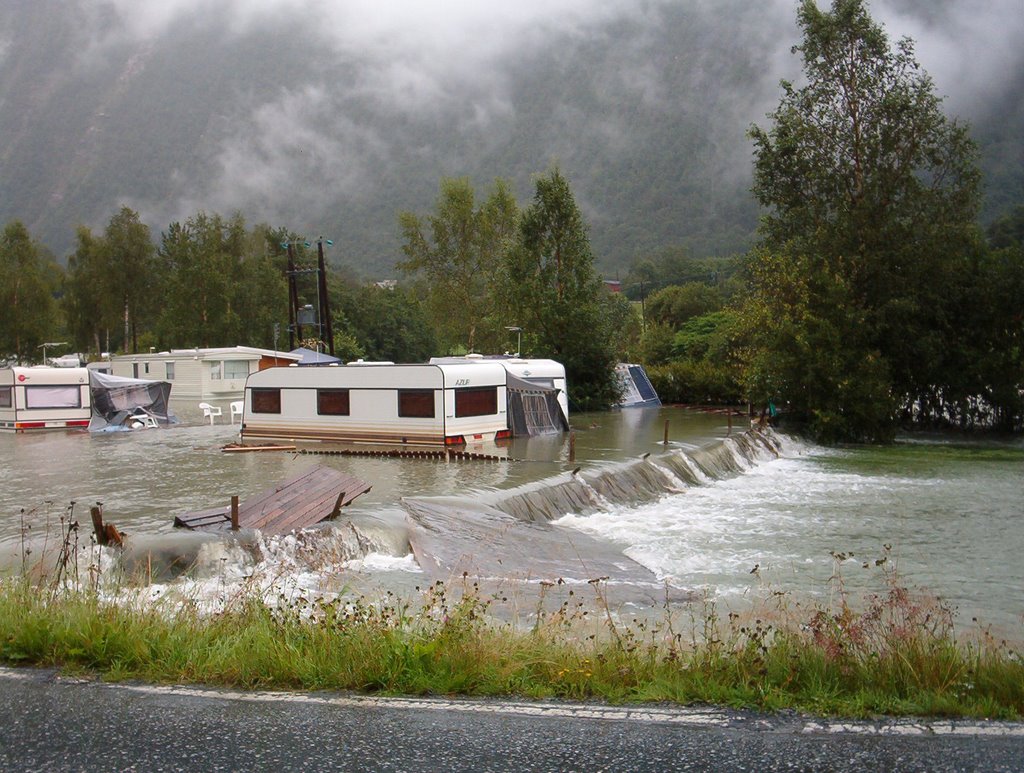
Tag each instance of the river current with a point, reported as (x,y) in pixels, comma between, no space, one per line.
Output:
(725,514)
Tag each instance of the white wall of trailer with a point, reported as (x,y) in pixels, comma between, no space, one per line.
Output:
(44,398)
(197,374)
(539,371)
(373,400)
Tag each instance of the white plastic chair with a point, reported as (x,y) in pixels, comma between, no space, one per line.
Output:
(209,411)
(236,410)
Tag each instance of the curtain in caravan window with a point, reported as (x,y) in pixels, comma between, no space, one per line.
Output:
(416,403)
(6,397)
(266,400)
(53,396)
(476,401)
(236,369)
(332,402)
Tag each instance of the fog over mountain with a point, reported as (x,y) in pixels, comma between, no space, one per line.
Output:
(329,116)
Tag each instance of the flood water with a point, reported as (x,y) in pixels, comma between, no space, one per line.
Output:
(732,520)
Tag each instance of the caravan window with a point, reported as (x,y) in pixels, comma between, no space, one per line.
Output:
(53,396)
(236,369)
(266,400)
(5,397)
(332,402)
(170,371)
(416,403)
(215,371)
(479,401)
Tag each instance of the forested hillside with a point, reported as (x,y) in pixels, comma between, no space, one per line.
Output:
(300,124)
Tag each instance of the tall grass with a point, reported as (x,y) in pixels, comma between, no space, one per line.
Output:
(896,655)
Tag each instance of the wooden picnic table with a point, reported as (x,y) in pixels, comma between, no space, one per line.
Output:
(315,495)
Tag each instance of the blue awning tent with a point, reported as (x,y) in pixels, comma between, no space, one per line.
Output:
(309,357)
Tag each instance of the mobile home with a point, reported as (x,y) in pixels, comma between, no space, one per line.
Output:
(44,398)
(379,403)
(201,374)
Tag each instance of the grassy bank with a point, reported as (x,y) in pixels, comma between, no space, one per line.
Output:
(896,656)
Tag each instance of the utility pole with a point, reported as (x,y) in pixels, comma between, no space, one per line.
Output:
(293,298)
(325,306)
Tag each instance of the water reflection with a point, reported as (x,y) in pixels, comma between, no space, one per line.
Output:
(144,478)
(951,513)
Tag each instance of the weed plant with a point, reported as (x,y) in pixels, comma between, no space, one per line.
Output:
(894,653)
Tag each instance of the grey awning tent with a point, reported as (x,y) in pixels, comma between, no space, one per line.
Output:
(120,403)
(533,408)
(309,357)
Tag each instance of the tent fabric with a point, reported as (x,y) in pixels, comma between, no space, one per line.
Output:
(309,357)
(123,403)
(533,408)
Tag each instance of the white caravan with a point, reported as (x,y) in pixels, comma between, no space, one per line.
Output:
(379,403)
(44,398)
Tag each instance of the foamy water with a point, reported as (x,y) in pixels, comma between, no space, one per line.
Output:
(706,513)
(954,527)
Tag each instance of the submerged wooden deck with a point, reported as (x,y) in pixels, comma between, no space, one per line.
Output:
(315,495)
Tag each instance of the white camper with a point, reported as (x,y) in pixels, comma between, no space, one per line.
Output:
(378,403)
(44,398)
(537,392)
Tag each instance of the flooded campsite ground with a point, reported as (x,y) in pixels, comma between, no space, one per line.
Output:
(717,513)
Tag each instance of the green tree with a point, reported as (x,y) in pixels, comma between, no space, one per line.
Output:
(457,251)
(1008,230)
(260,291)
(676,304)
(383,324)
(222,283)
(871,193)
(88,308)
(27,306)
(200,260)
(130,278)
(558,298)
(813,353)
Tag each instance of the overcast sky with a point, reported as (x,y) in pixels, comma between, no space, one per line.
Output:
(414,44)
(454,56)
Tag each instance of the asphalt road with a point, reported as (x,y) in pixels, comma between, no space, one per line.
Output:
(52,723)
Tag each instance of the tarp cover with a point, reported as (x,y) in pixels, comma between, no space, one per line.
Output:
(533,408)
(120,403)
(309,357)
(635,387)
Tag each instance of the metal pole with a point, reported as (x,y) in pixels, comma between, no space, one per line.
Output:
(325,305)
(293,299)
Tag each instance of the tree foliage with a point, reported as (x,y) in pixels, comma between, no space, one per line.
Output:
(458,252)
(27,307)
(129,276)
(558,298)
(220,284)
(382,324)
(676,304)
(871,197)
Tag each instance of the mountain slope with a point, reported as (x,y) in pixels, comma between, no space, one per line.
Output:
(292,119)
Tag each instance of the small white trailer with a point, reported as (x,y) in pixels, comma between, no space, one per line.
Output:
(42,397)
(447,405)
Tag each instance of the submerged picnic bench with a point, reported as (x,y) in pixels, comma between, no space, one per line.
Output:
(316,495)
